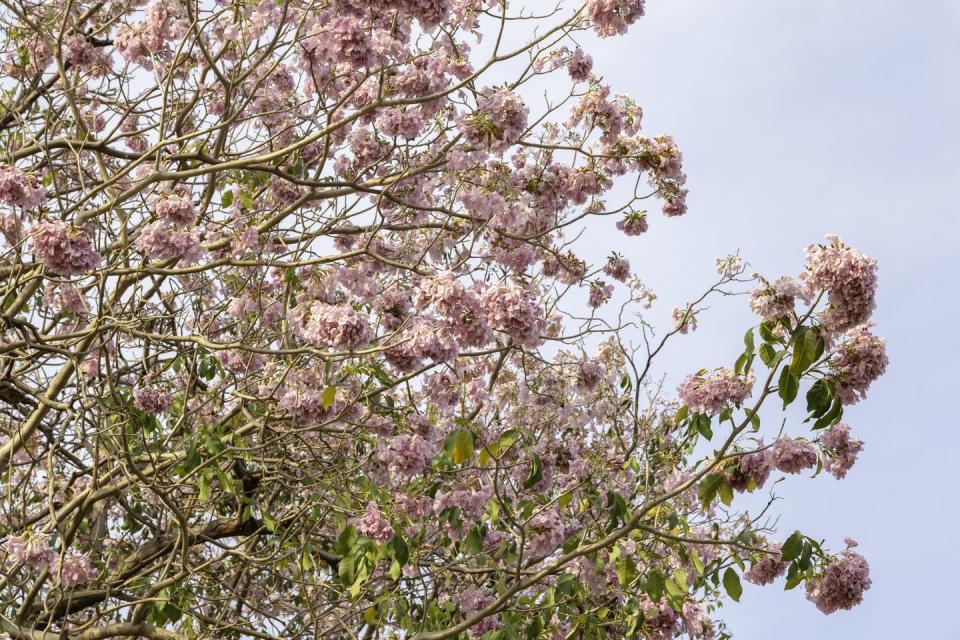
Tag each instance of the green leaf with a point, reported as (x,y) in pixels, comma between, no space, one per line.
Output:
(536,471)
(793,547)
(832,417)
(709,487)
(702,423)
(461,446)
(748,341)
(226,199)
(819,398)
(731,583)
(767,354)
(806,347)
(788,386)
(726,493)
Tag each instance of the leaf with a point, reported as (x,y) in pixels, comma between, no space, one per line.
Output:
(329,395)
(731,583)
(226,199)
(788,386)
(682,414)
(461,443)
(748,341)
(702,423)
(536,471)
(767,354)
(832,417)
(805,350)
(792,547)
(819,398)
(726,493)
(708,488)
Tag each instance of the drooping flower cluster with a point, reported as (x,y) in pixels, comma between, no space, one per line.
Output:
(160,242)
(498,122)
(328,325)
(612,17)
(857,361)
(20,189)
(515,312)
(151,399)
(710,392)
(848,277)
(768,568)
(32,550)
(473,599)
(659,619)
(64,250)
(793,455)
(75,570)
(842,584)
(752,468)
(775,299)
(374,525)
(174,205)
(841,450)
(634,224)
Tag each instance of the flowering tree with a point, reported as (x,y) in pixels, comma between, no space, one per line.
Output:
(294,341)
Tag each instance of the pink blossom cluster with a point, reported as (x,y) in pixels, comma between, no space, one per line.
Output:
(613,17)
(174,205)
(409,455)
(684,320)
(848,277)
(20,189)
(64,250)
(151,399)
(374,526)
(768,568)
(161,242)
(776,299)
(516,312)
(600,293)
(634,223)
(793,455)
(842,584)
(755,467)
(857,360)
(663,160)
(659,619)
(338,326)
(498,122)
(710,392)
(617,267)
(473,599)
(32,550)
(74,570)
(841,449)
(580,65)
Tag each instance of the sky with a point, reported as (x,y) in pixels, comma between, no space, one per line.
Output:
(799,118)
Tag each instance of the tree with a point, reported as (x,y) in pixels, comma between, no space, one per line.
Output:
(295,342)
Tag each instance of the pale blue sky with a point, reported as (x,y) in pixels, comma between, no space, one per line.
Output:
(799,118)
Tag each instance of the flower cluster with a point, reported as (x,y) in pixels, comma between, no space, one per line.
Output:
(160,242)
(18,188)
(752,468)
(848,277)
(842,584)
(374,525)
(634,223)
(775,299)
(613,17)
(841,450)
(64,250)
(74,570)
(498,122)
(768,568)
(33,550)
(857,360)
(174,205)
(151,399)
(793,455)
(328,325)
(710,392)
(515,312)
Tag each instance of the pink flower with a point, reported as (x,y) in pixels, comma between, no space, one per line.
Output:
(617,267)
(33,550)
(768,568)
(842,584)
(792,455)
(64,250)
(600,292)
(848,277)
(841,450)
(613,17)
(328,325)
(160,242)
(580,65)
(858,360)
(20,189)
(775,299)
(374,526)
(710,392)
(74,570)
(515,312)
(633,224)
(498,122)
(174,205)
(151,399)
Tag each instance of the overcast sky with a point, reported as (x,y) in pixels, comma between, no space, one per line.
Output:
(800,118)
